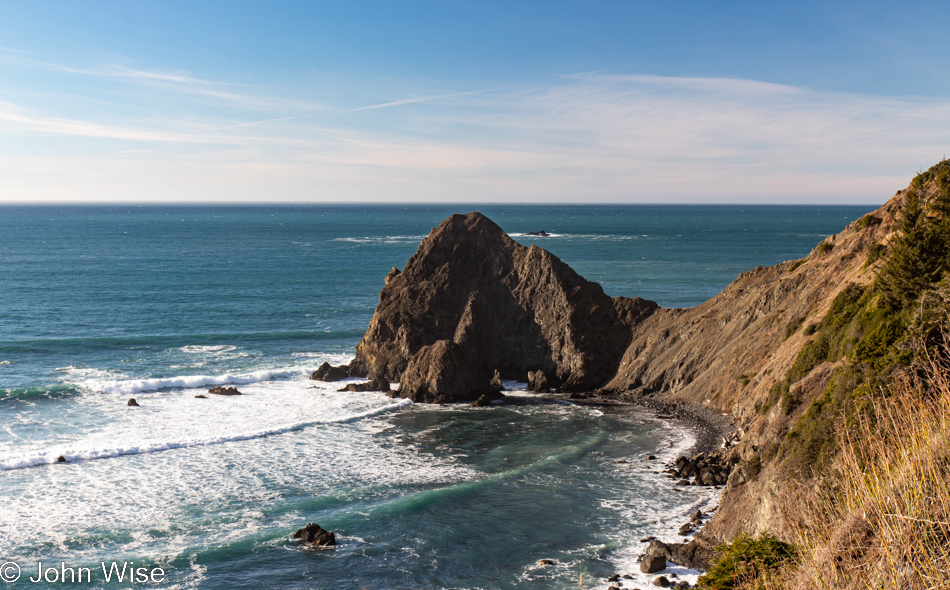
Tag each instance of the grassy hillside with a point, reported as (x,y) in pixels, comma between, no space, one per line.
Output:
(869,457)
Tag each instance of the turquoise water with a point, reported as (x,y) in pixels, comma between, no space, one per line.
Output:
(100,304)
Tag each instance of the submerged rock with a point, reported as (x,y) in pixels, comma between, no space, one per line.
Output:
(313,534)
(224,391)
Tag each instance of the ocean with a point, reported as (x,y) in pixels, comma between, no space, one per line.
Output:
(99,304)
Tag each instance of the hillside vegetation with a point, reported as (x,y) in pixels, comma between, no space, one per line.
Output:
(866,463)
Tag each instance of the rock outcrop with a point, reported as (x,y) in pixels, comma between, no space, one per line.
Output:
(315,536)
(219,390)
(443,373)
(326,372)
(377,384)
(505,306)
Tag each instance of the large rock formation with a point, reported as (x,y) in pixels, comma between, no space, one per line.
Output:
(505,306)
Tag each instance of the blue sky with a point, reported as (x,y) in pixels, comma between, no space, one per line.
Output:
(832,102)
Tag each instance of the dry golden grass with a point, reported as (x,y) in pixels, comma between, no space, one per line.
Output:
(881,520)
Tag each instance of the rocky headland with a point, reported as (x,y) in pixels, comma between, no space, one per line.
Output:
(472,304)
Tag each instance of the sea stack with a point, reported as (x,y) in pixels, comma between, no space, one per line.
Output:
(473,299)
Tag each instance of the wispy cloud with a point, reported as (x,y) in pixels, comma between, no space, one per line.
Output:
(596,136)
(396,103)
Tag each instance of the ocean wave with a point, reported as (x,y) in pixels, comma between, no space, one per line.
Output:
(198,349)
(380,239)
(73,455)
(189,381)
(48,391)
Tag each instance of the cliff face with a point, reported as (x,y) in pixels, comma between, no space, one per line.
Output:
(508,307)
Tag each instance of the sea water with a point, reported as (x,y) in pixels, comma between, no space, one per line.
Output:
(159,303)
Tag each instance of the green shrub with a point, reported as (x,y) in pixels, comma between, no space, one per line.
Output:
(747,559)
(793,326)
(875,252)
(823,247)
(796,264)
(867,221)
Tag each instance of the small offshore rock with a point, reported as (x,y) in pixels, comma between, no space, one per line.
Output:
(613,578)
(540,234)
(132,402)
(683,482)
(496,384)
(627,577)
(696,516)
(662,582)
(686,529)
(538,382)
(481,402)
(652,564)
(224,391)
(201,396)
(545,562)
(651,457)
(378,384)
(61,459)
(325,372)
(313,534)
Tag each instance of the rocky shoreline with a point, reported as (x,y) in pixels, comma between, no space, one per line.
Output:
(713,431)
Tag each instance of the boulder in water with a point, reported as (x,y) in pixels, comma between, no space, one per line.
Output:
(218,390)
(378,384)
(313,534)
(538,382)
(326,372)
(132,402)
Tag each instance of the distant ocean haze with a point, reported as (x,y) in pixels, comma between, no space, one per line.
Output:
(160,303)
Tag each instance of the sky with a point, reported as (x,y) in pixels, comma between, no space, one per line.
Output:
(474,102)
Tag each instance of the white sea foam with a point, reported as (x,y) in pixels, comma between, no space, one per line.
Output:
(657,512)
(129,386)
(197,349)
(88,454)
(380,239)
(527,235)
